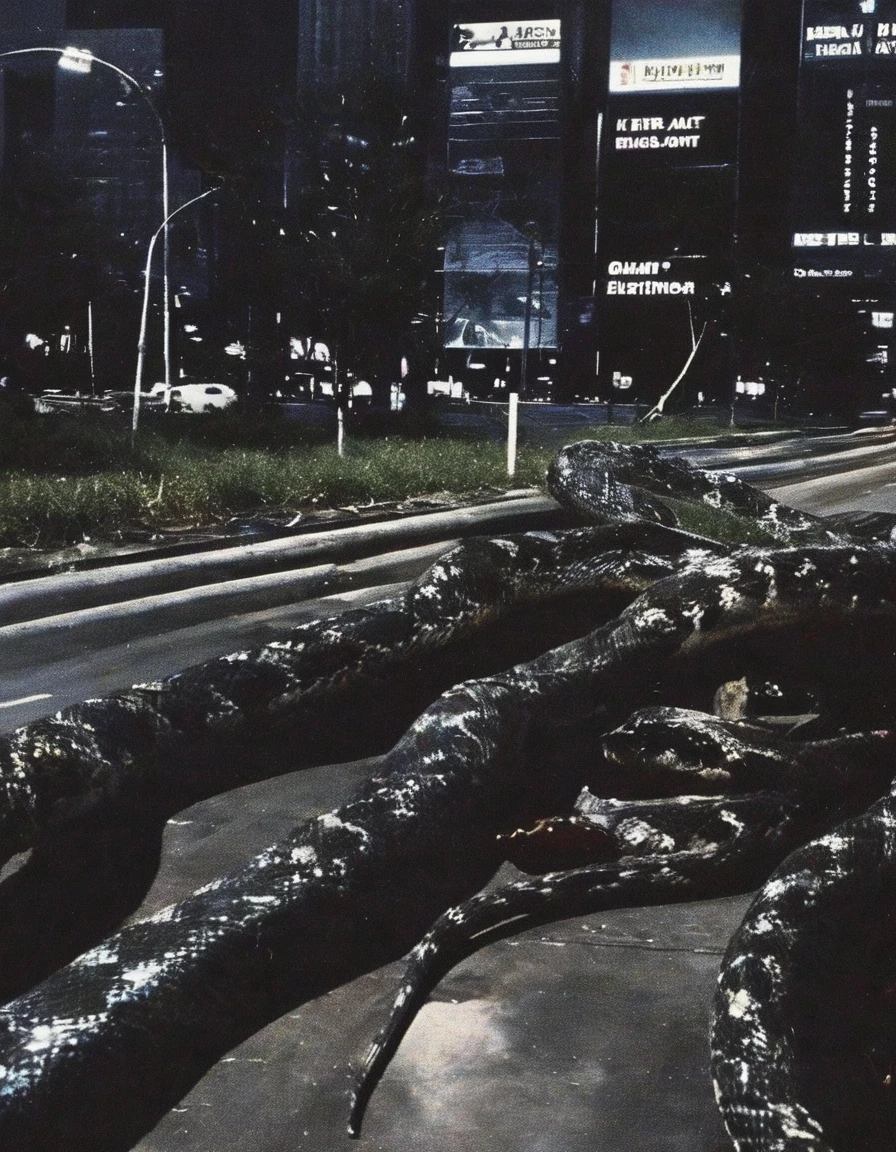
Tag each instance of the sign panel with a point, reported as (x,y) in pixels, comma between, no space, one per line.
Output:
(835,32)
(844,197)
(504,165)
(673,131)
(498,45)
(675,75)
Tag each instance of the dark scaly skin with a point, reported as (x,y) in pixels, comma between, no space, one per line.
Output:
(614,483)
(690,846)
(251,714)
(332,689)
(156,1004)
(691,750)
(159,1001)
(781,1082)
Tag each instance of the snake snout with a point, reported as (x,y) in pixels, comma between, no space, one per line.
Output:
(668,740)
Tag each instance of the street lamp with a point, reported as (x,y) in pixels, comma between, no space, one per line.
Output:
(141,342)
(82,60)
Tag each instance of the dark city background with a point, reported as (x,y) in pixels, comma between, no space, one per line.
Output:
(597,195)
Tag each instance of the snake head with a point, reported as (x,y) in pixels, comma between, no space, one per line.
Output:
(605,483)
(677,743)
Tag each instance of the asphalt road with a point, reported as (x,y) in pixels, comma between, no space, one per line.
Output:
(33,691)
(871,489)
(589,1034)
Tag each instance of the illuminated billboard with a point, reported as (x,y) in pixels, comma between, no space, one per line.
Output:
(662,46)
(668,184)
(675,75)
(504,167)
(844,201)
(497,45)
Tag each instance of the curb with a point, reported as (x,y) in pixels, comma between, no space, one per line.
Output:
(67,635)
(67,592)
(785,472)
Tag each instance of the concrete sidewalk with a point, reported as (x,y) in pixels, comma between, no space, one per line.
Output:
(587,1034)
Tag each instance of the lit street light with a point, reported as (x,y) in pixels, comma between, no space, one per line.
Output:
(82,60)
(141,342)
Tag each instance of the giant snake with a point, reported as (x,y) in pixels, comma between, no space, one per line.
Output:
(598,654)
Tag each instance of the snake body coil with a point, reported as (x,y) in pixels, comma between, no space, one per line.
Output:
(631,613)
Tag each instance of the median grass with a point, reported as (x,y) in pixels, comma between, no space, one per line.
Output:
(66,479)
(181,485)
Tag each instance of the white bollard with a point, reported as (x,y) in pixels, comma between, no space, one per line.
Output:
(512,418)
(340,431)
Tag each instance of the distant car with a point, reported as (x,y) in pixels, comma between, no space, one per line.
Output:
(54,400)
(876,416)
(195,397)
(124,400)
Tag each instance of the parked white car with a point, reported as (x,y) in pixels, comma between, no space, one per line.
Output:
(195,397)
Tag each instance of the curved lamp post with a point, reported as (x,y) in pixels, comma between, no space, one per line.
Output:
(82,60)
(141,343)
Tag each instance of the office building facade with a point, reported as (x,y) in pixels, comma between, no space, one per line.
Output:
(717,220)
(639,194)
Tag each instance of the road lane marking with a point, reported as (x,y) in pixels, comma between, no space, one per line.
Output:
(26,700)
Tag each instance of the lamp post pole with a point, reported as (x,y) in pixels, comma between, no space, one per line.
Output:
(82,60)
(527,318)
(515,397)
(533,264)
(141,342)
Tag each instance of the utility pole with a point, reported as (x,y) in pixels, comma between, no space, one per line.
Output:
(527,317)
(90,347)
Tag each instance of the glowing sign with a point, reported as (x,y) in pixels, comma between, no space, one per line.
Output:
(651,287)
(675,75)
(848,37)
(490,45)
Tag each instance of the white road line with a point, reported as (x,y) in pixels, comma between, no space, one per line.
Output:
(26,700)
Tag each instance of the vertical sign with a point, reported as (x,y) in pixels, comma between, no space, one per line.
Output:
(666,217)
(504,165)
(844,204)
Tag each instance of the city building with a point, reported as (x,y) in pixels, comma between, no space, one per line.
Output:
(691,199)
(694,196)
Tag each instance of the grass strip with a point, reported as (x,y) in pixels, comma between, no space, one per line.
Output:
(183,489)
(64,480)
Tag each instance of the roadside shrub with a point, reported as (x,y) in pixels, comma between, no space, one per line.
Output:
(242,425)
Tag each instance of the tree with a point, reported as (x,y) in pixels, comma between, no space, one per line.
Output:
(358,252)
(55,256)
(696,340)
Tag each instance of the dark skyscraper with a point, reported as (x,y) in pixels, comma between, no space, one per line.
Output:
(342,43)
(843,214)
(81,182)
(678,172)
(668,190)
